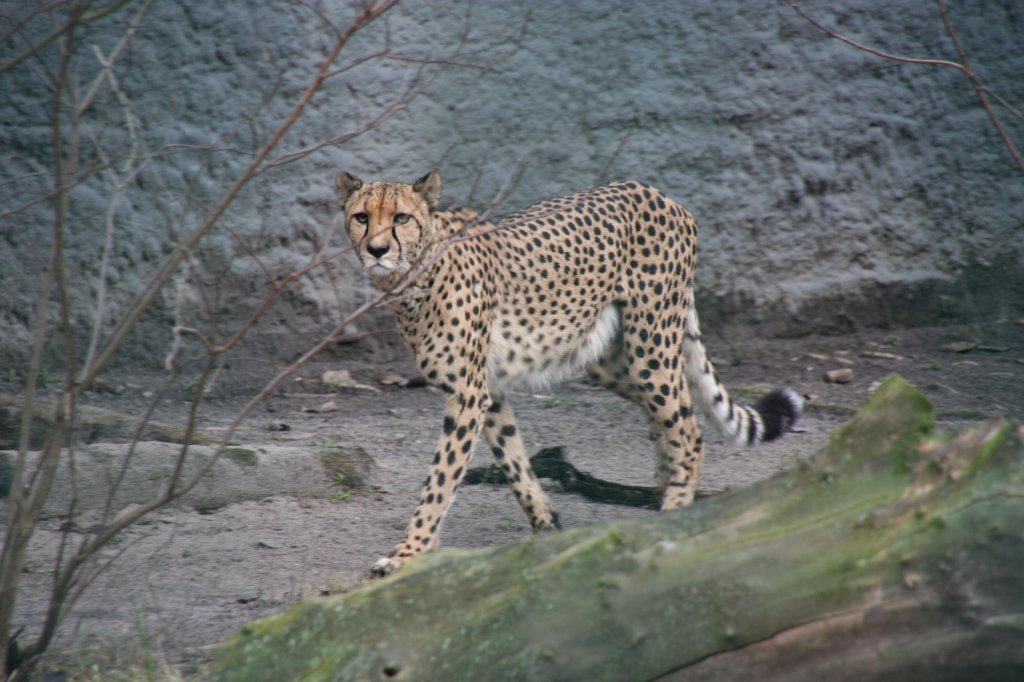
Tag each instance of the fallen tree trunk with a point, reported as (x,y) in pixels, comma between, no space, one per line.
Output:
(895,554)
(92,424)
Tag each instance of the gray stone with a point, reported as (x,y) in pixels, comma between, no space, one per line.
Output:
(241,473)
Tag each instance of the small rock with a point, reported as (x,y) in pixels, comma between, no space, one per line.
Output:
(342,378)
(338,378)
(959,346)
(392,379)
(101,385)
(279,426)
(329,406)
(881,355)
(839,376)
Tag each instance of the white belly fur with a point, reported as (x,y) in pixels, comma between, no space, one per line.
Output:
(527,365)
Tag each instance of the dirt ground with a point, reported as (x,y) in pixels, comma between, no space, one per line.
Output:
(186,578)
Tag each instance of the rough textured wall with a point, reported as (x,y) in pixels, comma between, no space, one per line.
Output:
(833,189)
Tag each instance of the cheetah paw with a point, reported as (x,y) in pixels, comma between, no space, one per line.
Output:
(548,526)
(385,566)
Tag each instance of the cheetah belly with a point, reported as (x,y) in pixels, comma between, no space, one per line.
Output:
(537,355)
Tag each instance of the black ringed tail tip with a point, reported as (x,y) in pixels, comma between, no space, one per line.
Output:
(779,411)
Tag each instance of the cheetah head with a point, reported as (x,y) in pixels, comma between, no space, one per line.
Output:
(389,222)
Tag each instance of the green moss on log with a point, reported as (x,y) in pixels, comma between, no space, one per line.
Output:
(915,535)
(243,456)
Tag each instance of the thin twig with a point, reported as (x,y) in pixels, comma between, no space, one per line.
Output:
(366,16)
(978,87)
(602,175)
(106,73)
(963,67)
(26,501)
(860,46)
(79,17)
(398,104)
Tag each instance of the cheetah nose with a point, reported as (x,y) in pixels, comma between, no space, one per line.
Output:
(377,250)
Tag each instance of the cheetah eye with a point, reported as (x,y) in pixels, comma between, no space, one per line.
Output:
(360,218)
(401,218)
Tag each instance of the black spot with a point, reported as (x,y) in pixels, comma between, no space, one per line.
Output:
(449,425)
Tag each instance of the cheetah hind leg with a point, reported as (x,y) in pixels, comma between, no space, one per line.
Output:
(503,436)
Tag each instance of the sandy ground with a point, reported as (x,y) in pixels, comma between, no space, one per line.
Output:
(185,579)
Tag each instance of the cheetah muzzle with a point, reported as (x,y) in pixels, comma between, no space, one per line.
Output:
(599,282)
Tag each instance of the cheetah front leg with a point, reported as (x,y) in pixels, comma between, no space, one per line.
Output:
(506,444)
(463,422)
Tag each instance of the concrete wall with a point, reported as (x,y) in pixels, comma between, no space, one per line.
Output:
(833,189)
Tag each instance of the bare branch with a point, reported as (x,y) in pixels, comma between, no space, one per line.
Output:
(878,53)
(136,437)
(400,103)
(41,8)
(978,87)
(28,497)
(602,175)
(962,66)
(106,72)
(113,161)
(26,501)
(79,17)
(323,17)
(365,17)
(77,566)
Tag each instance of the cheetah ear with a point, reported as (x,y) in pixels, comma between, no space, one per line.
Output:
(429,187)
(346,183)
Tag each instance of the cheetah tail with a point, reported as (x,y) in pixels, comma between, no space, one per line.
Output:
(770,417)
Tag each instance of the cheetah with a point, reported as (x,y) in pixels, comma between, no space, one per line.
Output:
(599,282)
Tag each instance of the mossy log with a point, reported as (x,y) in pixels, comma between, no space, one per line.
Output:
(92,425)
(895,554)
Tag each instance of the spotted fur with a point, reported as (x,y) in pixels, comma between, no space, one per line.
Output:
(598,282)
